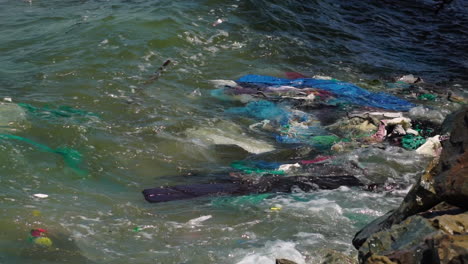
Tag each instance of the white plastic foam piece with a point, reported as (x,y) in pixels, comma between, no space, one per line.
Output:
(288,167)
(222,83)
(40,195)
(432,147)
(197,221)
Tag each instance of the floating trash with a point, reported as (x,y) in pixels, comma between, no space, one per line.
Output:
(72,157)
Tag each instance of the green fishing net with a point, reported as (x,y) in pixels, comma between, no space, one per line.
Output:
(253,199)
(63,111)
(71,156)
(412,142)
(239,165)
(325,141)
(428,97)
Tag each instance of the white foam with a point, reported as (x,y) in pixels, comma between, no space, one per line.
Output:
(271,251)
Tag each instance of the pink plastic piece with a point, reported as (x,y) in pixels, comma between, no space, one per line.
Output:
(316,160)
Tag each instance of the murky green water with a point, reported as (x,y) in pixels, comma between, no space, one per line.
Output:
(95,56)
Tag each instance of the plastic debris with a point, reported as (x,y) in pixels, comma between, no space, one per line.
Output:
(227,133)
(381,133)
(223,83)
(217,22)
(427,97)
(355,124)
(71,157)
(412,142)
(294,75)
(423,113)
(275,208)
(398,85)
(196,92)
(325,141)
(257,167)
(316,160)
(431,147)
(403,121)
(323,77)
(253,199)
(43,241)
(410,78)
(412,131)
(399,130)
(36,213)
(136,229)
(40,195)
(39,237)
(262,110)
(345,91)
(289,167)
(379,115)
(47,112)
(10,114)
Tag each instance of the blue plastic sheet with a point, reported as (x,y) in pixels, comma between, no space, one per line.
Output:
(345,91)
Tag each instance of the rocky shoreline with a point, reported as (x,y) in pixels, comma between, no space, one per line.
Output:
(430,226)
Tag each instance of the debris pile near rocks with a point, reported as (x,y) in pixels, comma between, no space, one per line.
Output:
(363,135)
(431,224)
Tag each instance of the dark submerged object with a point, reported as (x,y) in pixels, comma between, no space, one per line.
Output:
(267,184)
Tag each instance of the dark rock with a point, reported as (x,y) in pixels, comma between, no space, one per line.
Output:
(451,182)
(284,261)
(439,239)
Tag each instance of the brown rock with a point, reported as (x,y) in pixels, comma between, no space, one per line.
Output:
(334,257)
(376,259)
(449,249)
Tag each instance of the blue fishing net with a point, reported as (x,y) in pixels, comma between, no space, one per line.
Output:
(345,91)
(263,110)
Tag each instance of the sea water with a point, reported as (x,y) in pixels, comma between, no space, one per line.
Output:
(96,57)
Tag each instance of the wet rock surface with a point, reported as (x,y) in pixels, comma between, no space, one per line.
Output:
(430,226)
(284,261)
